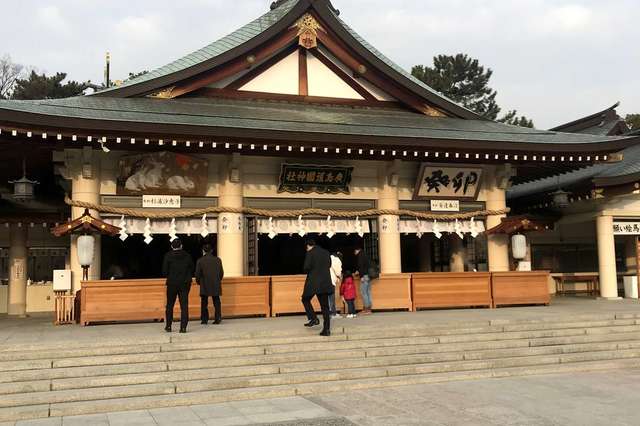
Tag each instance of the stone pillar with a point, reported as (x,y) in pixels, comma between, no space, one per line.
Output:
(388,231)
(497,245)
(630,254)
(458,258)
(84,169)
(424,253)
(17,298)
(231,225)
(607,257)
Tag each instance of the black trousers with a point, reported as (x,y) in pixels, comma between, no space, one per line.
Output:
(182,293)
(204,308)
(324,306)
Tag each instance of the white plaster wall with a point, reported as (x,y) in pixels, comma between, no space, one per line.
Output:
(280,78)
(324,82)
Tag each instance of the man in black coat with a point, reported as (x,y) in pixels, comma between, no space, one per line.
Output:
(177,267)
(209,274)
(317,264)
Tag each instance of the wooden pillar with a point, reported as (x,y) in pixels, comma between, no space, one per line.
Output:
(607,257)
(84,167)
(389,234)
(497,244)
(18,256)
(458,258)
(231,239)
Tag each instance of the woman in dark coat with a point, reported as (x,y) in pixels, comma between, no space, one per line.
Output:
(209,274)
(318,283)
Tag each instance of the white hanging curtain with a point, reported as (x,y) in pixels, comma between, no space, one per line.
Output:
(426,226)
(163,226)
(313,226)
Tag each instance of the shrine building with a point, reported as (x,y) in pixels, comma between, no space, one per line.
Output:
(292,126)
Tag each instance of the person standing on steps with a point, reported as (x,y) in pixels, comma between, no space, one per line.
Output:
(336,277)
(317,264)
(209,274)
(177,267)
(363,264)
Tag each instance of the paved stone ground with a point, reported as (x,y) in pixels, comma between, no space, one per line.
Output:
(608,398)
(40,330)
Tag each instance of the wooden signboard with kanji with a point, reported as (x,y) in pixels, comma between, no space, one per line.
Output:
(300,178)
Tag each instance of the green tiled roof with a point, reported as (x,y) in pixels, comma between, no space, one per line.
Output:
(215,113)
(218,47)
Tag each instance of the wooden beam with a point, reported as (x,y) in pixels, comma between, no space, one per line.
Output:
(209,92)
(303,78)
(237,84)
(343,75)
(233,67)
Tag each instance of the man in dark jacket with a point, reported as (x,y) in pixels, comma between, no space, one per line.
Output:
(177,267)
(362,269)
(209,274)
(318,283)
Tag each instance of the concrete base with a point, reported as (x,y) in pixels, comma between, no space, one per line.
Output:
(608,298)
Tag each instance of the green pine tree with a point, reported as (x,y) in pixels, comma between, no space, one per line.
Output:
(41,86)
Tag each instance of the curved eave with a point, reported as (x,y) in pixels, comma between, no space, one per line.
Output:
(600,182)
(567,127)
(107,127)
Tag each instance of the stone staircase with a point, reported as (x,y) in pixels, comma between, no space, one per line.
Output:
(39,380)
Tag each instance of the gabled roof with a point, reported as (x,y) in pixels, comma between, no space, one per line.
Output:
(606,122)
(600,175)
(283,15)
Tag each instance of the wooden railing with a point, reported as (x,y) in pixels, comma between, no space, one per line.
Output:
(144,300)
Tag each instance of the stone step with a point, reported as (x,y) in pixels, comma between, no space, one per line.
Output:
(281,337)
(111,392)
(61,373)
(335,345)
(212,397)
(305,366)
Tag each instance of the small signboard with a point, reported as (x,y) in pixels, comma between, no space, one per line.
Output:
(626,228)
(445,205)
(161,201)
(300,178)
(447,181)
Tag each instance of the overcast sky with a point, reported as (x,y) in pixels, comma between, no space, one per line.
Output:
(553,60)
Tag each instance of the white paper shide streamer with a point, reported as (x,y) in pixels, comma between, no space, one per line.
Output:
(123,229)
(359,229)
(436,229)
(474,228)
(173,234)
(419,233)
(147,232)
(272,229)
(205,226)
(458,228)
(301,227)
(330,227)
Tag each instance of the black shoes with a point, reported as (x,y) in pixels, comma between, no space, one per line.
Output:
(183,330)
(204,322)
(167,329)
(326,333)
(217,322)
(312,323)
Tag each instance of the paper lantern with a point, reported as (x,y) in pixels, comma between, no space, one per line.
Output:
(519,246)
(86,246)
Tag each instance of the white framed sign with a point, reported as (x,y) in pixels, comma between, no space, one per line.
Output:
(161,201)
(445,205)
(626,228)
(449,181)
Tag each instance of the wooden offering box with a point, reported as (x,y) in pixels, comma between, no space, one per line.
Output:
(286,295)
(122,300)
(520,288)
(451,290)
(389,292)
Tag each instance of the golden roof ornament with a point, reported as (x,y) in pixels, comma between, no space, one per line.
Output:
(308,31)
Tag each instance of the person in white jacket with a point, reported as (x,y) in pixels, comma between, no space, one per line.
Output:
(336,278)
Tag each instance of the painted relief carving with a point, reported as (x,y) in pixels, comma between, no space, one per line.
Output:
(163,94)
(308,31)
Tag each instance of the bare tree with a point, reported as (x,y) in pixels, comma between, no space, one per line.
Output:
(10,72)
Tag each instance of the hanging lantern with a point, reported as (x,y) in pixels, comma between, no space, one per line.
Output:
(560,198)
(23,187)
(519,246)
(86,246)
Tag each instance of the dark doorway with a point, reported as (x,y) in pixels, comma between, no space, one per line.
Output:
(284,254)
(138,260)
